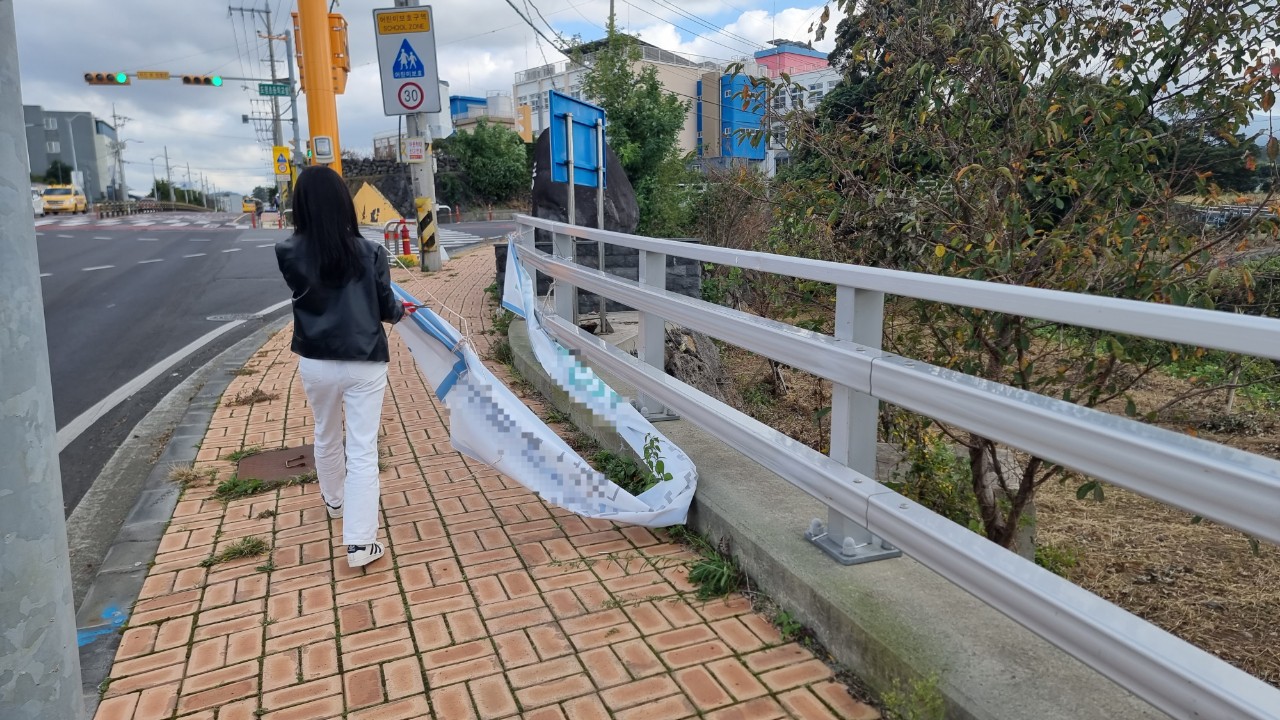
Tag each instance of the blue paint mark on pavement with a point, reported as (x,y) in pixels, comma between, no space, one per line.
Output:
(115,618)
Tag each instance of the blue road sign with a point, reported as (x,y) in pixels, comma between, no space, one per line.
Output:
(408,64)
(587,151)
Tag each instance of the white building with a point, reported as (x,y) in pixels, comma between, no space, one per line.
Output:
(808,89)
(677,75)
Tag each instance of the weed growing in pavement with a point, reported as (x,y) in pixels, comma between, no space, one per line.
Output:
(186,476)
(266,567)
(237,487)
(715,576)
(242,453)
(918,699)
(244,371)
(251,546)
(408,260)
(266,514)
(251,397)
(555,416)
(787,625)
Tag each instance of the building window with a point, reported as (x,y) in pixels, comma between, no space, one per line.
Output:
(51,123)
(53,147)
(728,132)
(728,93)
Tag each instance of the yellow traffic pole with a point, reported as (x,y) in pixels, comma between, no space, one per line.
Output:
(317,59)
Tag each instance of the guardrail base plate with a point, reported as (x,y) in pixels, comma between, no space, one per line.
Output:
(847,551)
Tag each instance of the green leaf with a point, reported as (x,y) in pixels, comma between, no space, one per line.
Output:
(1130,408)
(1083,491)
(1197,520)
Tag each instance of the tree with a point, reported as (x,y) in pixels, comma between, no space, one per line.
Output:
(643,124)
(263,193)
(492,164)
(59,173)
(1038,145)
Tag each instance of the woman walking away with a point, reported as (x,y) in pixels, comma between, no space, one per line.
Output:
(341,296)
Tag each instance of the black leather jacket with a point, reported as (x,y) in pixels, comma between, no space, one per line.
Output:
(340,323)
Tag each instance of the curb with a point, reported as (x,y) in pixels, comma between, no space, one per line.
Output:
(110,597)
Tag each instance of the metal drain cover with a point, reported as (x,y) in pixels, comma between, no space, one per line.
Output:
(232,317)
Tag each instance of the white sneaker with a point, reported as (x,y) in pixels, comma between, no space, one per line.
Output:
(361,555)
(334,512)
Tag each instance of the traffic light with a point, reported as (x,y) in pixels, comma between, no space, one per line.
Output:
(109,78)
(213,80)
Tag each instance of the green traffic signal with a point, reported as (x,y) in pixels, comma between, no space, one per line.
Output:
(121,78)
(217,81)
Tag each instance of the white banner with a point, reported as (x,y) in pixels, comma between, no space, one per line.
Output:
(490,424)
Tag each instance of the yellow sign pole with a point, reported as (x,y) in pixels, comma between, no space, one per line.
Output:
(317,59)
(428,235)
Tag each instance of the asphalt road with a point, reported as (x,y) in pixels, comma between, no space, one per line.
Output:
(119,299)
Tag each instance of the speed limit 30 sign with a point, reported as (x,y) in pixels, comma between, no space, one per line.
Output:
(407,60)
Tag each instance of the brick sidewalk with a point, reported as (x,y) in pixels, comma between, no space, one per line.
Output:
(490,603)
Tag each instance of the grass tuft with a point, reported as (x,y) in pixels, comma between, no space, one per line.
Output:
(242,453)
(252,397)
(246,547)
(186,476)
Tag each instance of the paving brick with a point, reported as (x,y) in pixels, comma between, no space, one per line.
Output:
(125,685)
(604,668)
(298,694)
(430,633)
(638,692)
(544,672)
(329,707)
(453,702)
(403,678)
(681,637)
(407,709)
(319,659)
(118,708)
(765,708)
(736,678)
(555,691)
(837,697)
(794,675)
(492,697)
(280,670)
(638,658)
(136,642)
(373,638)
(776,657)
(698,684)
(173,633)
(464,671)
(466,625)
(218,696)
(198,683)
(589,707)
(157,703)
(669,708)
(700,653)
(147,663)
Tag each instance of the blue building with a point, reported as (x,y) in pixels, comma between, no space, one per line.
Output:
(728,133)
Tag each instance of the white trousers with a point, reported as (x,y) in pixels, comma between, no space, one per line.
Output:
(333,386)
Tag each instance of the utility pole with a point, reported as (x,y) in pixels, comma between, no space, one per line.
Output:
(167,172)
(298,156)
(120,121)
(424,176)
(39,662)
(189,186)
(317,67)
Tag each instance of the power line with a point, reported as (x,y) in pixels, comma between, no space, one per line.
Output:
(681,27)
(709,25)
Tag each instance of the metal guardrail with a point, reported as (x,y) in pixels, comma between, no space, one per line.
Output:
(1232,487)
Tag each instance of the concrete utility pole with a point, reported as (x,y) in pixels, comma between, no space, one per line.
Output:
(118,122)
(167,172)
(39,662)
(299,158)
(423,175)
(317,68)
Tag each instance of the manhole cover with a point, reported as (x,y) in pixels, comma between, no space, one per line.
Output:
(232,317)
(279,464)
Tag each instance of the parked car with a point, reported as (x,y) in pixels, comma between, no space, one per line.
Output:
(37,202)
(65,198)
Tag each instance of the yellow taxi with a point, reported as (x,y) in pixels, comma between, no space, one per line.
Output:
(248,205)
(64,199)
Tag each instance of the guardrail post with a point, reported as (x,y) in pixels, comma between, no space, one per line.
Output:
(566,295)
(652,342)
(854,417)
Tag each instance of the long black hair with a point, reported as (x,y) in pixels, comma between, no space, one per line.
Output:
(325,216)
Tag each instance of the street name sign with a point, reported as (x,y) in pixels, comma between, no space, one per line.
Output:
(273,89)
(407,60)
(153,74)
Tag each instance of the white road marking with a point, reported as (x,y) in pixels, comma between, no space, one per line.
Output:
(66,236)
(46,274)
(101,237)
(268,245)
(153,260)
(231,250)
(198,239)
(97,267)
(194,255)
(76,427)
(148,239)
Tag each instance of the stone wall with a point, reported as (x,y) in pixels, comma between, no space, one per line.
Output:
(684,276)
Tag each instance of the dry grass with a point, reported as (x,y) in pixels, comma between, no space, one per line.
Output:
(1201,582)
(186,476)
(250,397)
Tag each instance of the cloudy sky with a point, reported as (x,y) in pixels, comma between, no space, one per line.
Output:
(481,45)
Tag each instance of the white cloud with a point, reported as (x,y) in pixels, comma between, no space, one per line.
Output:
(482,44)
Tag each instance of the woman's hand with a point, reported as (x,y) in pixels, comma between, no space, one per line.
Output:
(409,308)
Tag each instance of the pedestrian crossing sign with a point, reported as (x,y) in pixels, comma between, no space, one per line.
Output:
(280,159)
(408,64)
